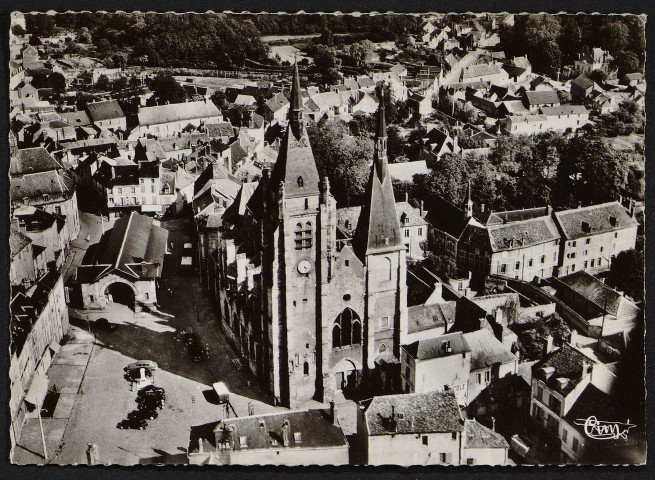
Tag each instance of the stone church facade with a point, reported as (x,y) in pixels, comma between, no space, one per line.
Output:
(313,313)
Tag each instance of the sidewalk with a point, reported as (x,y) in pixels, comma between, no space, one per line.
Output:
(67,373)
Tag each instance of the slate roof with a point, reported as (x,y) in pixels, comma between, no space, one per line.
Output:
(134,239)
(32,160)
(412,215)
(17,240)
(149,169)
(378,229)
(568,362)
(446,217)
(405,172)
(426,317)
(176,112)
(487,350)
(478,436)
(522,234)
(582,82)
(597,217)
(277,102)
(594,290)
(591,402)
(108,110)
(109,175)
(265,431)
(431,412)
(564,110)
(542,97)
(480,71)
(431,348)
(295,165)
(509,216)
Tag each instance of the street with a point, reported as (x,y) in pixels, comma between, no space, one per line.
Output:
(97,395)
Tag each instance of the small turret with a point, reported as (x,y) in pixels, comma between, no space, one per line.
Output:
(468,203)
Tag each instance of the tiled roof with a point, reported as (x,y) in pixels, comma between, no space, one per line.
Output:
(265,431)
(409,216)
(44,183)
(277,102)
(446,217)
(479,436)
(221,129)
(542,97)
(436,347)
(32,160)
(17,240)
(426,317)
(487,350)
(596,219)
(432,412)
(109,175)
(177,112)
(107,110)
(522,234)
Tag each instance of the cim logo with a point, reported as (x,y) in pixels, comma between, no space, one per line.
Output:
(601,430)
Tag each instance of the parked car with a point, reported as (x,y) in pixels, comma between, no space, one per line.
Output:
(132,424)
(151,397)
(147,364)
(194,347)
(104,324)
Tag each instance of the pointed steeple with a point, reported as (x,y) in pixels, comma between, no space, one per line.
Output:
(468,205)
(380,152)
(295,166)
(378,229)
(295,109)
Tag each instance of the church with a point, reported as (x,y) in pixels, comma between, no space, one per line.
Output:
(313,311)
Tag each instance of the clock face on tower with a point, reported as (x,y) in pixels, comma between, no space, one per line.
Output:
(304,266)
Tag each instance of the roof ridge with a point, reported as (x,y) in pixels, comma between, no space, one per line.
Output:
(125,235)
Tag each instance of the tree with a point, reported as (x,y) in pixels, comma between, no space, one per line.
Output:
(327,65)
(166,88)
(35,41)
(614,36)
(448,180)
(57,82)
(362,125)
(103,47)
(395,143)
(588,172)
(598,76)
(626,62)
(627,274)
(134,82)
(441,264)
(18,30)
(119,84)
(219,98)
(103,83)
(84,37)
(360,52)
(343,158)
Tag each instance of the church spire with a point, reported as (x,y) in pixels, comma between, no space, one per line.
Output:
(378,229)
(296,110)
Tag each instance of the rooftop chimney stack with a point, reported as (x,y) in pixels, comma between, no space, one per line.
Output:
(549,344)
(333,413)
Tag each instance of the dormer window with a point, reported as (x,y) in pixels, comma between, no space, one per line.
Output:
(301,182)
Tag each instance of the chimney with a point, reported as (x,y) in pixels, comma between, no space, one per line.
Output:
(579,204)
(407,196)
(549,344)
(482,208)
(286,431)
(550,210)
(421,210)
(333,413)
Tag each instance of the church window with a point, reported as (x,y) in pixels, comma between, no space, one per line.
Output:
(390,267)
(305,368)
(346,263)
(384,322)
(357,333)
(301,182)
(306,203)
(290,366)
(336,336)
(383,348)
(407,232)
(347,329)
(297,360)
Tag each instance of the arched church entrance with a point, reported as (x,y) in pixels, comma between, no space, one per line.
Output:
(119,292)
(346,375)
